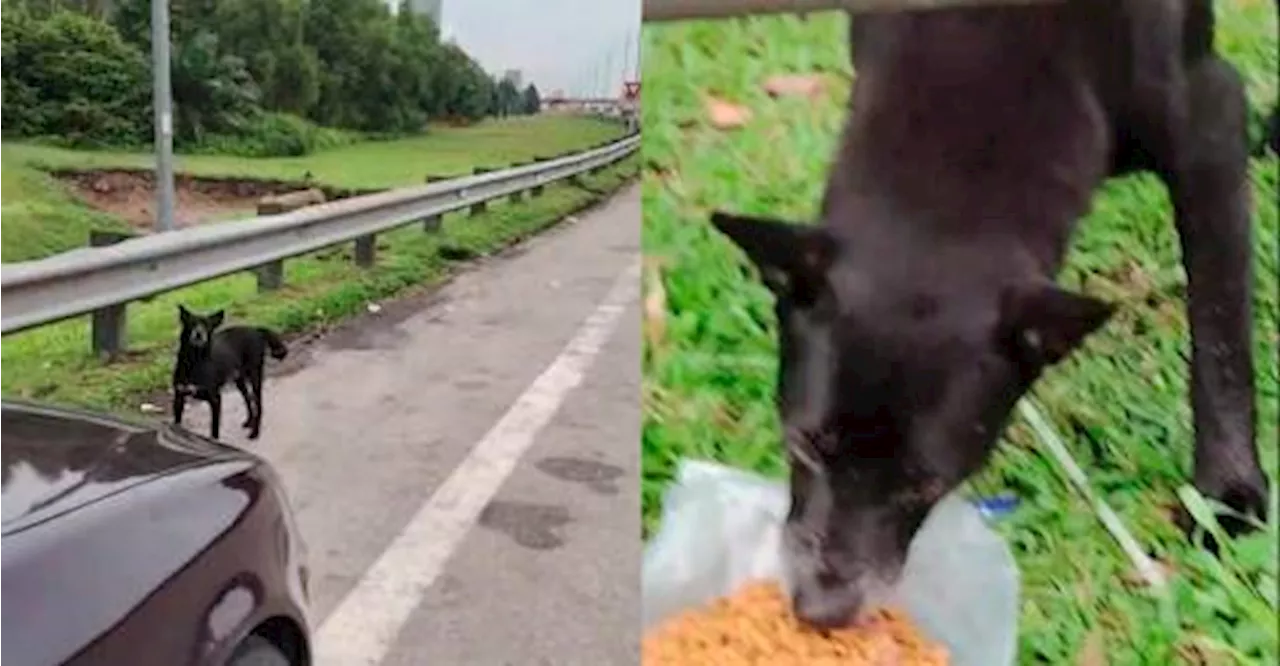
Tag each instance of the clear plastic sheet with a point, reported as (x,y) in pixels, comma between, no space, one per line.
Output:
(721,528)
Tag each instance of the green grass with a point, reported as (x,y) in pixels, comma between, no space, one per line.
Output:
(54,364)
(369,164)
(1123,400)
(42,218)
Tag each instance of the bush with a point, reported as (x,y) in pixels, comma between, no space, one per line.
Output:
(71,76)
(21,103)
(276,135)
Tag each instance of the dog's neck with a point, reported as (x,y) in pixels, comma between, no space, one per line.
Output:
(193,354)
(942,148)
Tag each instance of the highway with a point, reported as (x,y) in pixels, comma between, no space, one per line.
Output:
(464,462)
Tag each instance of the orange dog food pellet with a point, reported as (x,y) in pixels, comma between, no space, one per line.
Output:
(755,626)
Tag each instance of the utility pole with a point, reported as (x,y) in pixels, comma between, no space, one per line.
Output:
(633,55)
(626,58)
(162,104)
(608,74)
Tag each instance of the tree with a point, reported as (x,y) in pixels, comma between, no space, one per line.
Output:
(270,36)
(532,102)
(213,91)
(340,31)
(462,88)
(509,100)
(240,66)
(186,17)
(69,75)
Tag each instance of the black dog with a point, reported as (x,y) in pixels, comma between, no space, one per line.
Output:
(924,306)
(208,358)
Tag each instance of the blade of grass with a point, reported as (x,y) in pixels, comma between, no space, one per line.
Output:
(1049,438)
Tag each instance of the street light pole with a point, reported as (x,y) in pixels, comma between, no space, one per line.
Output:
(162,104)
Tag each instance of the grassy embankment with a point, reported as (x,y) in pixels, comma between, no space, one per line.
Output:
(53,363)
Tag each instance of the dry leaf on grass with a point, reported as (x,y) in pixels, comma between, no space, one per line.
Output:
(655,305)
(795,85)
(726,115)
(1093,652)
(1204,651)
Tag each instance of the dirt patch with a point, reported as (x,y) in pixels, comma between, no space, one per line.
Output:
(130,195)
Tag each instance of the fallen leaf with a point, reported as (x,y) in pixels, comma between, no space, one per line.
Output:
(726,115)
(795,85)
(1204,651)
(655,306)
(1093,651)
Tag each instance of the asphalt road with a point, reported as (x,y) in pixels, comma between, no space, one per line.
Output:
(465,464)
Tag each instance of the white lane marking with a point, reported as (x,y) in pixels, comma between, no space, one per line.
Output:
(364,625)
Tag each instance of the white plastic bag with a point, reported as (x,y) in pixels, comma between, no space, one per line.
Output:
(721,528)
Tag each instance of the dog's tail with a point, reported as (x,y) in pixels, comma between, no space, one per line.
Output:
(275,344)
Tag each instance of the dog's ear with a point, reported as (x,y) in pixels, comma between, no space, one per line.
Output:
(184,315)
(215,319)
(1042,324)
(792,259)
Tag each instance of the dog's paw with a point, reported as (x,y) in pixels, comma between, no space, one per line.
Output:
(1245,495)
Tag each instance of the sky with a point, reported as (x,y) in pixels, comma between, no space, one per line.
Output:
(573,45)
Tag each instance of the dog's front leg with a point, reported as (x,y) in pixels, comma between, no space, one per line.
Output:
(215,413)
(179,403)
(1210,190)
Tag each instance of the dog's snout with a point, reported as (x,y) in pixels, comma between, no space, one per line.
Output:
(826,607)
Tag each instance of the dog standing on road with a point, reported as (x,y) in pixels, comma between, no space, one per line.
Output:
(208,358)
(914,317)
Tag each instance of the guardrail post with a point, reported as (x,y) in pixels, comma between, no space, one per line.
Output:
(536,190)
(480,207)
(366,250)
(432,223)
(517,196)
(599,167)
(110,325)
(270,275)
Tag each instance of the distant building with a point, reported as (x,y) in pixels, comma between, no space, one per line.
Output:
(432,8)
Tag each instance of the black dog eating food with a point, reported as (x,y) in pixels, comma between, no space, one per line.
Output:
(913,318)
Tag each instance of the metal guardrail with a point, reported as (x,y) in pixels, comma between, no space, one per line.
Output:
(101,279)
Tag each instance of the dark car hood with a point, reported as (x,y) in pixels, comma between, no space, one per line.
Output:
(57,460)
